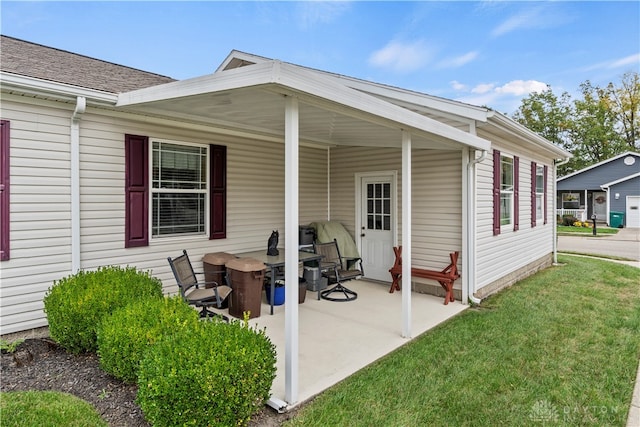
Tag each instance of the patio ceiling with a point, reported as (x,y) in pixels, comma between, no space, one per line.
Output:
(251,100)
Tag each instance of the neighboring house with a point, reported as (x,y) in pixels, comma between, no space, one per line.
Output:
(103,164)
(612,185)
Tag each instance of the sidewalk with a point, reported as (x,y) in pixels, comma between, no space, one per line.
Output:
(625,244)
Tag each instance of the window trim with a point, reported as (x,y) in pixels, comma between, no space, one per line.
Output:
(137,212)
(152,191)
(513,193)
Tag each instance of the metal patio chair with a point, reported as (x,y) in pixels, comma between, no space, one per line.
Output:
(337,269)
(214,296)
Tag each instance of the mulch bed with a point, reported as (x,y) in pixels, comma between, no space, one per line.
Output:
(40,364)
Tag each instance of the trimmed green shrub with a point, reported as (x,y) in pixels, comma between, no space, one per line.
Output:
(76,304)
(568,220)
(127,333)
(218,375)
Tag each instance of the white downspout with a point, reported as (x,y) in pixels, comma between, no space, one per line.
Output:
(556,163)
(470,255)
(81,106)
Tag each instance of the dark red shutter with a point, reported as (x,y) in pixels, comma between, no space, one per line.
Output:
(4,190)
(534,179)
(516,193)
(218,193)
(545,193)
(496,192)
(136,177)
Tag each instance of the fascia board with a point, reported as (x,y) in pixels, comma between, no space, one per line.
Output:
(292,79)
(524,133)
(63,91)
(337,96)
(595,165)
(251,75)
(421,101)
(618,181)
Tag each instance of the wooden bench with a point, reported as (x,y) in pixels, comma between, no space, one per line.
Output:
(445,277)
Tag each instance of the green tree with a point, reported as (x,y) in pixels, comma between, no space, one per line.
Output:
(602,123)
(593,132)
(626,98)
(547,115)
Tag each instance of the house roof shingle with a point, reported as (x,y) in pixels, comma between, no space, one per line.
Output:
(42,62)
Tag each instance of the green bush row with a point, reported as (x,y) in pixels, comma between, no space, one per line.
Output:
(125,335)
(189,372)
(75,305)
(217,374)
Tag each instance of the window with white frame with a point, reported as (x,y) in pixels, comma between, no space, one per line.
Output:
(178,189)
(506,190)
(571,200)
(539,191)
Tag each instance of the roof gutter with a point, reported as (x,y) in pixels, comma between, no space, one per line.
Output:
(471,234)
(81,107)
(61,91)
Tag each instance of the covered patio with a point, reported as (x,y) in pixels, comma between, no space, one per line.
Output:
(274,102)
(337,339)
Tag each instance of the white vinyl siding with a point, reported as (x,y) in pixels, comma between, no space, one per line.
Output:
(40,205)
(497,256)
(40,211)
(437,197)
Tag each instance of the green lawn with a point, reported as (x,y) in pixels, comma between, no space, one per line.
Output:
(46,409)
(559,348)
(600,230)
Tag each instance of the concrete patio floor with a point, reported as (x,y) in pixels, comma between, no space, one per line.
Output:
(337,339)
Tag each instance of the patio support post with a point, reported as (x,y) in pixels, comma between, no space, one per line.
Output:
(406,234)
(466,222)
(291,162)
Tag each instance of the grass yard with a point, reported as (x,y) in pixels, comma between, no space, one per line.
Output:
(47,409)
(600,230)
(559,348)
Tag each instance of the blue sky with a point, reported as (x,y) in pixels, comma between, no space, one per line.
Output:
(490,53)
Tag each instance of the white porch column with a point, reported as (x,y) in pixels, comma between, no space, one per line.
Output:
(406,234)
(291,162)
(466,223)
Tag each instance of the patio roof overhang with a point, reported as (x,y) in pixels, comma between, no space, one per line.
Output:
(251,100)
(281,102)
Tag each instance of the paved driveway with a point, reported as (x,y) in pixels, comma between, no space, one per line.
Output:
(625,244)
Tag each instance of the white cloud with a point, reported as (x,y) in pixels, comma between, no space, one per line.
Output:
(547,15)
(483,88)
(522,87)
(401,57)
(504,98)
(456,85)
(458,61)
(627,60)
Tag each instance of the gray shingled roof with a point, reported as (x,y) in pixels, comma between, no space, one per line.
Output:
(34,60)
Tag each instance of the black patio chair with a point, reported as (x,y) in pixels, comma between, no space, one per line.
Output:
(337,269)
(204,297)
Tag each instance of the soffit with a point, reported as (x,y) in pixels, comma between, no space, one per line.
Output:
(252,98)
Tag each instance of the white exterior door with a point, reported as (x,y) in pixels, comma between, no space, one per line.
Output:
(600,206)
(633,212)
(377,224)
